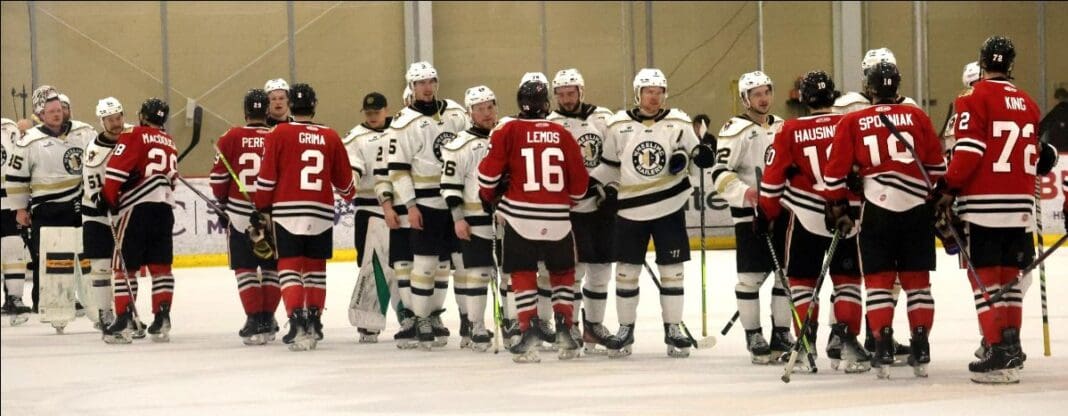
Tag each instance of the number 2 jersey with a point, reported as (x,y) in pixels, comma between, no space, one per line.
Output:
(367,149)
(302,163)
(995,159)
(740,158)
(547,175)
(142,169)
(242,147)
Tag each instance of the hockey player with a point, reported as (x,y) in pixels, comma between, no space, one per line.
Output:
(44,184)
(545,173)
(14,254)
(992,178)
(854,101)
(367,144)
(898,239)
(66,107)
(591,224)
(969,77)
(742,149)
(414,163)
(241,149)
(473,227)
(139,185)
(794,177)
(278,95)
(644,170)
(299,207)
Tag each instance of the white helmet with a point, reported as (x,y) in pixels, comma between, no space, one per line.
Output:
(420,71)
(875,56)
(567,78)
(42,95)
(108,106)
(276,84)
(971,74)
(535,77)
(407,95)
(648,77)
(750,81)
(478,95)
(63,98)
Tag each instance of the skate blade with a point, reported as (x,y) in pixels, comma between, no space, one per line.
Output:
(529,357)
(407,344)
(17,320)
(567,354)
(59,326)
(368,339)
(854,367)
(257,339)
(440,342)
(920,370)
(122,338)
(761,359)
(480,346)
(426,345)
(466,343)
(161,337)
(298,347)
(1007,376)
(620,353)
(592,348)
(548,347)
(312,342)
(883,373)
(675,352)
(835,363)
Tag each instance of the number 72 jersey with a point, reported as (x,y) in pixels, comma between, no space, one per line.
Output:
(142,169)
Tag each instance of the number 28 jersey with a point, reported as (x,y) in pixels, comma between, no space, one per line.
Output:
(142,169)
(302,163)
(995,159)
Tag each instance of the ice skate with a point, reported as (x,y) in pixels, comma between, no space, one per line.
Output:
(161,325)
(678,344)
(296,338)
(781,344)
(465,332)
(545,332)
(441,333)
(79,310)
(121,331)
(594,337)
(365,336)
(313,330)
(526,351)
(759,351)
(7,309)
(1002,361)
(566,342)
(104,319)
(269,326)
(621,344)
(481,338)
(20,313)
(854,358)
(900,352)
(884,352)
(834,349)
(406,336)
(510,332)
(250,333)
(425,333)
(920,352)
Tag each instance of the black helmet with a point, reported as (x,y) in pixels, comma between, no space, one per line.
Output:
(155,110)
(302,99)
(997,54)
(533,100)
(256,103)
(883,80)
(817,90)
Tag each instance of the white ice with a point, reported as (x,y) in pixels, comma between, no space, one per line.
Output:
(206,370)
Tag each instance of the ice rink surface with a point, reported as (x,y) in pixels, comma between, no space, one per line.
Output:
(206,370)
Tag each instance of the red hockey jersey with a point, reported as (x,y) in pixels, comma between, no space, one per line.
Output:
(547,175)
(241,147)
(142,168)
(891,178)
(996,156)
(302,163)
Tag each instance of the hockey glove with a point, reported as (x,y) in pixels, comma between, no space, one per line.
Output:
(762,225)
(677,163)
(609,203)
(1047,158)
(262,242)
(705,155)
(855,183)
(836,217)
(259,219)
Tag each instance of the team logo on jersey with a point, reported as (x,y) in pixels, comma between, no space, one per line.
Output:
(591,145)
(72,161)
(769,156)
(440,141)
(3,156)
(649,158)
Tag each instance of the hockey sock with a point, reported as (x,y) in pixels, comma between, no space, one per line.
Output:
(545,294)
(423,269)
(576,307)
(508,297)
(747,292)
(314,282)
(477,283)
(292,285)
(459,274)
(595,290)
(671,292)
(124,294)
(162,285)
(627,292)
(14,281)
(441,288)
(847,302)
(248,289)
(781,316)
(1012,302)
(100,279)
(525,285)
(802,290)
(563,284)
(990,316)
(880,303)
(921,305)
(402,272)
(270,290)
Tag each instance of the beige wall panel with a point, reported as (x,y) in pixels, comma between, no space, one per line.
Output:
(15,43)
(349,51)
(890,26)
(593,38)
(798,38)
(486,43)
(1056,58)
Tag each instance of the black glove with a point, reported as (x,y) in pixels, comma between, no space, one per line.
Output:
(855,183)
(489,206)
(677,162)
(259,220)
(610,202)
(1047,158)
(704,156)
(762,225)
(942,198)
(837,217)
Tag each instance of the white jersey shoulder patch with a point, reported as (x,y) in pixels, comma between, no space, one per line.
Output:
(357,131)
(620,117)
(97,154)
(462,140)
(676,114)
(734,127)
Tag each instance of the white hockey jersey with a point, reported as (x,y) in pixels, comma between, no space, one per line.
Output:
(97,155)
(414,162)
(9,135)
(45,168)
(740,155)
(367,153)
(459,179)
(636,153)
(853,101)
(587,127)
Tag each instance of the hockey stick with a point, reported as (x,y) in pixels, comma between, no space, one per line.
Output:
(198,120)
(498,313)
(704,280)
(815,304)
(803,337)
(996,297)
(702,344)
(730,323)
(1041,266)
(229,169)
(214,206)
(132,305)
